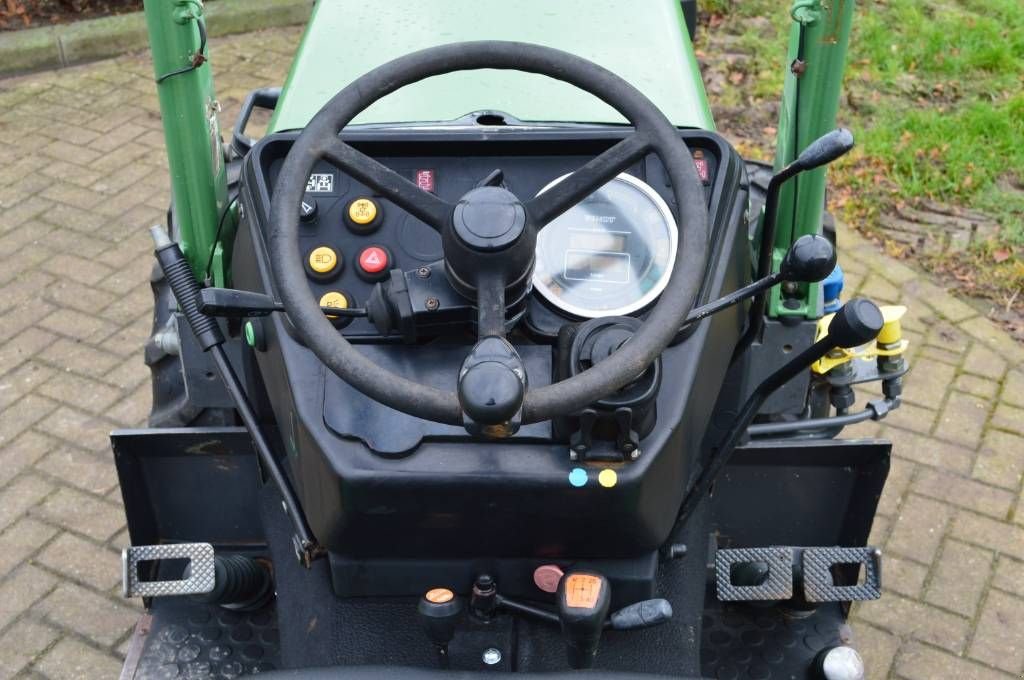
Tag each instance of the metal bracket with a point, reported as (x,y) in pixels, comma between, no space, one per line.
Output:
(199,575)
(777,585)
(819,584)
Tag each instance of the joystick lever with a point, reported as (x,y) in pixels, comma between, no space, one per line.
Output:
(583,601)
(439,611)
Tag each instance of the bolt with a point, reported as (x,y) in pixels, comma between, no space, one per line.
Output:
(790,288)
(573,455)
(798,67)
(492,656)
(423,272)
(432,304)
(634,454)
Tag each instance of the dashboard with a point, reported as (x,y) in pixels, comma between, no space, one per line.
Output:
(611,254)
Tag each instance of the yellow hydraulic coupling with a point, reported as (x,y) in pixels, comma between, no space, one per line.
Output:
(889,344)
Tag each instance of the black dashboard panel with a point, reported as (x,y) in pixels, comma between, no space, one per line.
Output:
(528,160)
(388,485)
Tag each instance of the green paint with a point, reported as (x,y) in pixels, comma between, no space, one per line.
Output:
(191,129)
(809,105)
(250,334)
(645,43)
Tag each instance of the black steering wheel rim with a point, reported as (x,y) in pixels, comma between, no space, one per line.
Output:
(320,140)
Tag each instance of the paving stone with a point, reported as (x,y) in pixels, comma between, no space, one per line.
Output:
(26,378)
(21,644)
(85,393)
(975,385)
(876,646)
(1000,460)
(901,472)
(19,496)
(919,527)
(83,469)
(83,561)
(962,420)
(959,578)
(95,616)
(928,379)
(1008,418)
(981,360)
(99,520)
(966,493)
(989,533)
(1009,574)
(904,577)
(998,640)
(995,338)
(1013,389)
(917,661)
(922,449)
(21,590)
(913,619)
(70,659)
(20,541)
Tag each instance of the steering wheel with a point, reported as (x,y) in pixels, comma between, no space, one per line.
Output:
(489,236)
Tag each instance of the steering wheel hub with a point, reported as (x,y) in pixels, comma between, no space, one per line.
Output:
(489,219)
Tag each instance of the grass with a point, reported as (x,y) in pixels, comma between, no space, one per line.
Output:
(935,95)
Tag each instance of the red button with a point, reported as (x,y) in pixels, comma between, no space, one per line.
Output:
(373,260)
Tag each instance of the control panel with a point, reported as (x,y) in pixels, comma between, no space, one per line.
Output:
(608,255)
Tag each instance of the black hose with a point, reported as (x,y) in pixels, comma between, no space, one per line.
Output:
(808,424)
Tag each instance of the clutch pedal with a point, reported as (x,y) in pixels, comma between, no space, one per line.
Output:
(198,575)
(819,582)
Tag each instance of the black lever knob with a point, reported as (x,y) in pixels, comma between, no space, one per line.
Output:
(811,258)
(583,601)
(641,615)
(825,149)
(439,611)
(858,321)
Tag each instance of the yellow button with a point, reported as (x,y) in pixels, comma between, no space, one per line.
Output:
(362,211)
(334,299)
(323,260)
(608,478)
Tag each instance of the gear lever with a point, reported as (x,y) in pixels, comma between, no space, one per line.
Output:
(439,610)
(583,601)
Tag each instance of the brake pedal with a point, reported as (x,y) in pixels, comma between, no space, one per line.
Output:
(819,582)
(198,575)
(777,583)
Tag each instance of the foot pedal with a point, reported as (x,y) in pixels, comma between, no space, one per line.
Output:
(776,585)
(819,583)
(198,574)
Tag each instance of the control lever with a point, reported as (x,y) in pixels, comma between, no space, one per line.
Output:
(810,259)
(857,322)
(583,600)
(439,610)
(228,302)
(824,150)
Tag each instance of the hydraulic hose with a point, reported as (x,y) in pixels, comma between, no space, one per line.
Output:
(874,411)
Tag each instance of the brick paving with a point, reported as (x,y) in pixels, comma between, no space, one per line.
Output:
(83,173)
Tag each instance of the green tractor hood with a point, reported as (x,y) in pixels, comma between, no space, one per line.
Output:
(646,43)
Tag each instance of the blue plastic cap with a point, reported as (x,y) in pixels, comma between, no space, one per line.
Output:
(831,287)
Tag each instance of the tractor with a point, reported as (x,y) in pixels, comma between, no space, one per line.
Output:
(492,356)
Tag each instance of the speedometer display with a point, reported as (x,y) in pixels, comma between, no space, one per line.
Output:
(609,255)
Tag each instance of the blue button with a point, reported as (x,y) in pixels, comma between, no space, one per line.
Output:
(578,477)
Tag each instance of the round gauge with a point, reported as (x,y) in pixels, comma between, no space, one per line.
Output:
(609,255)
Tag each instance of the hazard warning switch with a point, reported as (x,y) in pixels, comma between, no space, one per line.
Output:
(374,263)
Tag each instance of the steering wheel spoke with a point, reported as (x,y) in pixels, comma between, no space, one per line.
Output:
(587,179)
(382,179)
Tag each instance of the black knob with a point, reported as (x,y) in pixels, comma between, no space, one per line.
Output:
(825,149)
(583,600)
(439,611)
(811,258)
(490,393)
(856,322)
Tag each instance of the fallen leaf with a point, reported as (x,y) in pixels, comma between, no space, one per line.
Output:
(1001,255)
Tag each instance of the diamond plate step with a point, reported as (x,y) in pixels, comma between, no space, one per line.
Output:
(199,574)
(819,584)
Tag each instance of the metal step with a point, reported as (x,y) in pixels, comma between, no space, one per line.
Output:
(198,576)
(774,568)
